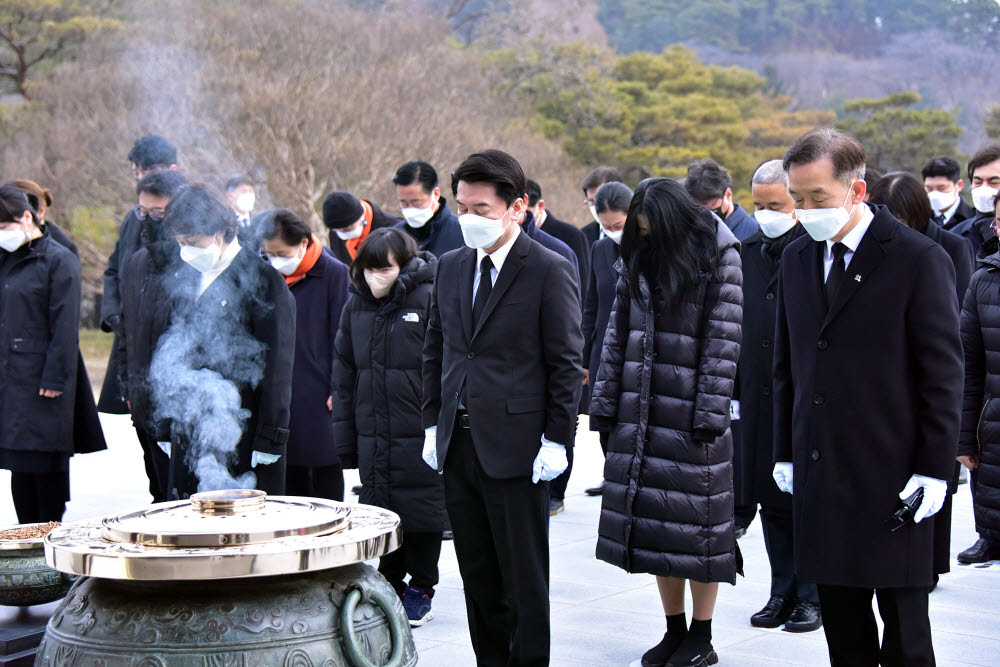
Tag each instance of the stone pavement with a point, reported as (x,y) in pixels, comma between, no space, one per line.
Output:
(601,615)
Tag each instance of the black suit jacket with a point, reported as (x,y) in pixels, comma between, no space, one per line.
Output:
(521,366)
(572,236)
(962,213)
(961,255)
(866,394)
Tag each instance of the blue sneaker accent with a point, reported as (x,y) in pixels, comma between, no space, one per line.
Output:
(418,606)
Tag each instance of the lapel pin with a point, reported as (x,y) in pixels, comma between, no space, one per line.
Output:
(224,302)
(857,277)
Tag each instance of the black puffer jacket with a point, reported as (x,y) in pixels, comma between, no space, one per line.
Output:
(666,379)
(377,397)
(981,406)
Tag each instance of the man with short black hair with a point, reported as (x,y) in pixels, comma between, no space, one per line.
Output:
(868,383)
(426,216)
(149,154)
(591,183)
(943,182)
(984,175)
(502,373)
(710,185)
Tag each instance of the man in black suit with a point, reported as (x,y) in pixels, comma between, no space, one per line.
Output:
(502,373)
(943,183)
(984,176)
(591,182)
(569,234)
(868,380)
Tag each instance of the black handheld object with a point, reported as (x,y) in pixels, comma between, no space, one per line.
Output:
(904,515)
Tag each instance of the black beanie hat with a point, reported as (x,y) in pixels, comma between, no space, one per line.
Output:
(341,209)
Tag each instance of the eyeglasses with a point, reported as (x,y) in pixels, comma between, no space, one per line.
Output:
(141,214)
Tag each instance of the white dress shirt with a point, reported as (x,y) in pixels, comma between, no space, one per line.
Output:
(949,212)
(852,241)
(498,257)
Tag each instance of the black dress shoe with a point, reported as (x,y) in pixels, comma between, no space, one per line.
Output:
(556,506)
(775,612)
(805,617)
(356,490)
(983,551)
(595,490)
(447,535)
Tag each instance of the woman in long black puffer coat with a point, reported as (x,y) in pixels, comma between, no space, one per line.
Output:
(663,390)
(377,405)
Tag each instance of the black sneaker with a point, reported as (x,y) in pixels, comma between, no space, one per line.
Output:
(775,612)
(595,490)
(556,506)
(983,551)
(417,605)
(659,654)
(805,617)
(693,652)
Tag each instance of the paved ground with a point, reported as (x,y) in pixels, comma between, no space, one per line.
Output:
(600,615)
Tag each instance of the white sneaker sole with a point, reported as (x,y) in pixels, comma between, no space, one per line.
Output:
(429,616)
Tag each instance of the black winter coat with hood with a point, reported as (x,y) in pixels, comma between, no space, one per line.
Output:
(377,397)
(666,379)
(980,434)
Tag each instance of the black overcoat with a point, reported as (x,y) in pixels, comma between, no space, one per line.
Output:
(573,237)
(600,298)
(112,398)
(755,482)
(377,405)
(665,382)
(39,346)
(867,393)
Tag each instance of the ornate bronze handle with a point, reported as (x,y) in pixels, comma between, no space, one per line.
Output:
(362,592)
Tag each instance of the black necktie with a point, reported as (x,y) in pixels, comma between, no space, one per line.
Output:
(939,218)
(483,293)
(837,272)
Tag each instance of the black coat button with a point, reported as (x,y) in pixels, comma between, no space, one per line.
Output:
(471,355)
(818,399)
(765,343)
(822,343)
(770,296)
(767,391)
(815,455)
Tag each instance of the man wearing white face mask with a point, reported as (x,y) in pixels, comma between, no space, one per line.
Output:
(792,603)
(942,178)
(242,197)
(868,380)
(426,216)
(984,175)
(501,377)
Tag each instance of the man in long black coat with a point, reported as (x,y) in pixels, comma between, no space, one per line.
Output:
(502,376)
(792,603)
(868,379)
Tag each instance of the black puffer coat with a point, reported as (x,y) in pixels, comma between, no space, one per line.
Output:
(377,397)
(981,407)
(666,379)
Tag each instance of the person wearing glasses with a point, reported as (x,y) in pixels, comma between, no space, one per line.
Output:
(143,317)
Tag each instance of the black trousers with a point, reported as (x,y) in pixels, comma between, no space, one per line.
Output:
(157,464)
(605,437)
(557,487)
(942,536)
(852,635)
(419,557)
(315,482)
(777,525)
(503,556)
(39,497)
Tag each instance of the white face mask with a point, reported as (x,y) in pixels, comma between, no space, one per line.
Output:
(347,236)
(12,239)
(593,212)
(480,232)
(823,223)
(941,201)
(418,217)
(615,236)
(202,259)
(982,198)
(245,202)
(286,265)
(774,223)
(380,282)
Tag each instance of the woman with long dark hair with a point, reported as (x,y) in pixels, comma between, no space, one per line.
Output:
(663,392)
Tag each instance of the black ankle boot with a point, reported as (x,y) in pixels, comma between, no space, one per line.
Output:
(659,654)
(696,649)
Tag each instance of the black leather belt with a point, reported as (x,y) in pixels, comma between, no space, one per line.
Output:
(462,419)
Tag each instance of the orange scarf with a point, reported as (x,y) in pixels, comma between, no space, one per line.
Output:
(352,244)
(308,261)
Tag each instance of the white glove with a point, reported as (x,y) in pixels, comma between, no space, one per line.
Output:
(935,492)
(783,476)
(165,446)
(263,458)
(430,453)
(734,410)
(550,462)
